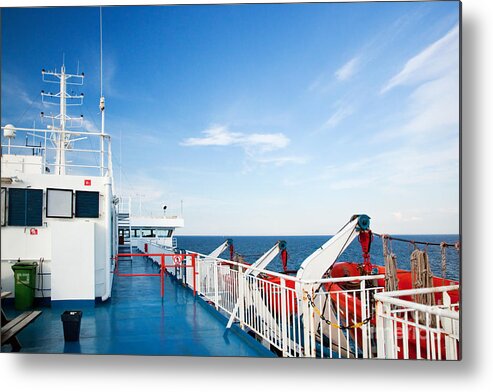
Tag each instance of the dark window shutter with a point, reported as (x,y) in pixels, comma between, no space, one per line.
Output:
(86,204)
(17,207)
(25,207)
(34,214)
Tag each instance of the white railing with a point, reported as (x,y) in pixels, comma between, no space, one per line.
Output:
(125,205)
(92,158)
(409,330)
(328,318)
(295,317)
(355,310)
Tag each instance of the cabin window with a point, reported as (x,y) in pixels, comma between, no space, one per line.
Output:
(25,207)
(147,233)
(162,233)
(86,204)
(59,203)
(4,205)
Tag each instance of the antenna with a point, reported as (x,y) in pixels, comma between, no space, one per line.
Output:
(61,139)
(101,100)
(121,161)
(101,47)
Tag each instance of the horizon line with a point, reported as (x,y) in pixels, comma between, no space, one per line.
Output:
(294,235)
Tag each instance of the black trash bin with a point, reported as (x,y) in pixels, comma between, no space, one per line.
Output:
(71,325)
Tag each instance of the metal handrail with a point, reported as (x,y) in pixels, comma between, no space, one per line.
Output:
(390,297)
(308,330)
(66,132)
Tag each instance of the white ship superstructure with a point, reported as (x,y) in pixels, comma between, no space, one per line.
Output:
(58,206)
(136,228)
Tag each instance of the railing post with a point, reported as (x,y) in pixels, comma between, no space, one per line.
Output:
(306,321)
(162,276)
(312,324)
(450,327)
(199,277)
(194,274)
(284,319)
(241,296)
(365,330)
(385,332)
(391,346)
(380,332)
(216,285)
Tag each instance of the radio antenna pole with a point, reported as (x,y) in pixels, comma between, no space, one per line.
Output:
(101,100)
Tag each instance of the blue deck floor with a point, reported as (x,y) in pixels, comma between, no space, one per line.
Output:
(136,321)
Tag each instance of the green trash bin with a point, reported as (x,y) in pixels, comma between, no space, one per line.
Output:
(25,284)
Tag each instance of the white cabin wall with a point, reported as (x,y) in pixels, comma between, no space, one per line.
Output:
(27,247)
(100,252)
(18,243)
(73,261)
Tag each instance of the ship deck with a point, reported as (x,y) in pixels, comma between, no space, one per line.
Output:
(136,321)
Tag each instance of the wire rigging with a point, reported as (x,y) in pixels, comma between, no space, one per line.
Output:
(441,244)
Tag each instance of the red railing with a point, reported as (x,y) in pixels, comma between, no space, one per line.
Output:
(177,262)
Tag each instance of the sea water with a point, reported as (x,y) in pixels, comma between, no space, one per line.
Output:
(300,247)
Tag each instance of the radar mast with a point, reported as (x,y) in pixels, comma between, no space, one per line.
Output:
(60,138)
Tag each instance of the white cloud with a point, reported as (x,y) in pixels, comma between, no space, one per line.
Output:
(325,81)
(435,104)
(370,51)
(402,168)
(432,111)
(258,147)
(147,193)
(110,71)
(432,62)
(406,217)
(220,136)
(14,89)
(89,126)
(352,183)
(432,108)
(282,160)
(348,69)
(397,215)
(340,114)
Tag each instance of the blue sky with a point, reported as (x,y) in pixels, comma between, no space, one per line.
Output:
(264,119)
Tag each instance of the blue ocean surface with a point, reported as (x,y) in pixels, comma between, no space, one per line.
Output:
(300,247)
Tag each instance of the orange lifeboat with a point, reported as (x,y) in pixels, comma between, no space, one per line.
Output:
(352,303)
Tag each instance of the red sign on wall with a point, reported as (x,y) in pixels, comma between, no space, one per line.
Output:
(87,182)
(33,231)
